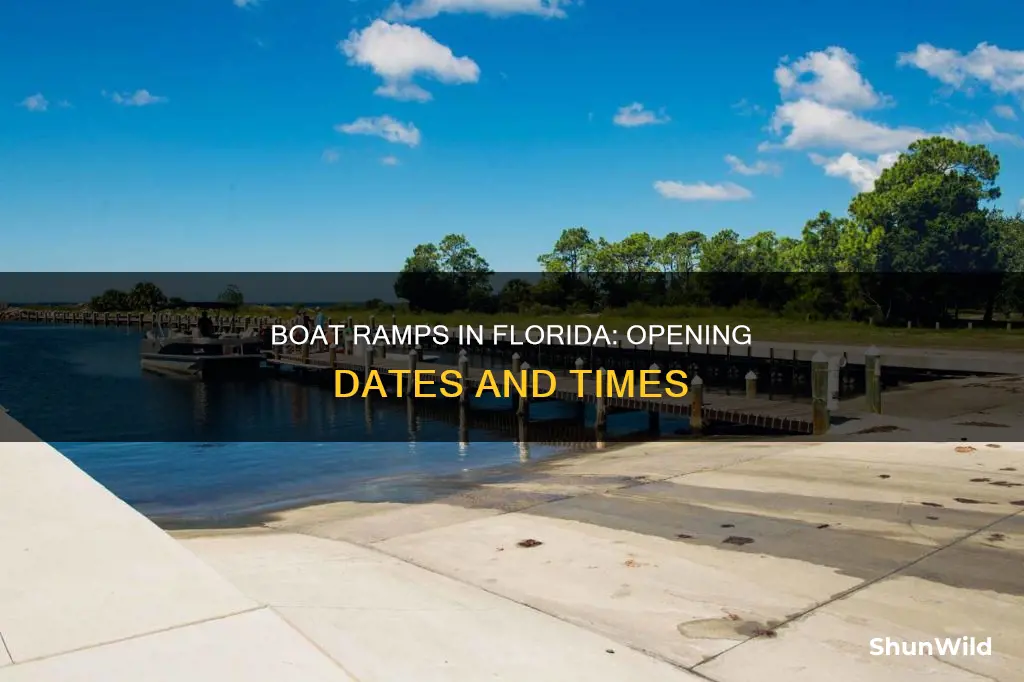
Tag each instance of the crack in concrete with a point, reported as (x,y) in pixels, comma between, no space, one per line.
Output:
(864,585)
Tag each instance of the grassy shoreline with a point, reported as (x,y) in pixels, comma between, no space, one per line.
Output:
(764,327)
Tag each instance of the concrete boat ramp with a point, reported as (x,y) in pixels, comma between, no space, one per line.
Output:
(731,562)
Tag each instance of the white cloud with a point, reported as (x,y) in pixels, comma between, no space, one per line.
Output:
(746,108)
(404,92)
(384,127)
(1005,111)
(829,77)
(35,102)
(862,173)
(635,114)
(330,156)
(701,191)
(425,9)
(390,161)
(759,167)
(1000,70)
(982,133)
(397,53)
(807,124)
(139,98)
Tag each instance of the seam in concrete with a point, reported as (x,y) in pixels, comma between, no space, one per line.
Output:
(3,642)
(864,585)
(140,635)
(314,644)
(640,650)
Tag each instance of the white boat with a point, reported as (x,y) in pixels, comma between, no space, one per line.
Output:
(202,357)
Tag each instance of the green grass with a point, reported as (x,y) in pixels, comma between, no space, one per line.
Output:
(764,327)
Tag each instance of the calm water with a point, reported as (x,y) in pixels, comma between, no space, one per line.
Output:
(205,452)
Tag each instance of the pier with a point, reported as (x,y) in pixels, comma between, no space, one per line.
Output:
(781,416)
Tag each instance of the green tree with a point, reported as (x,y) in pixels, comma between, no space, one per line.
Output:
(929,209)
(571,253)
(447,276)
(110,301)
(146,296)
(232,296)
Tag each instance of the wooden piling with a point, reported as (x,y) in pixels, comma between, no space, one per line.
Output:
(697,406)
(601,415)
(819,393)
(367,362)
(464,396)
(654,416)
(581,406)
(410,382)
(873,379)
(517,365)
(523,408)
(751,384)
(334,357)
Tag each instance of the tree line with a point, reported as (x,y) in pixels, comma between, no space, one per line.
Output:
(148,296)
(924,244)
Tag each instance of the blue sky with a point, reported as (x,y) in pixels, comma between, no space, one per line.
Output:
(336,135)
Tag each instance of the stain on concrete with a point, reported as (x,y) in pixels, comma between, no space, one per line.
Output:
(659,510)
(730,627)
(737,540)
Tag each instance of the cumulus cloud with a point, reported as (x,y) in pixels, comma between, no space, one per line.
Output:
(35,102)
(1005,111)
(383,127)
(139,98)
(829,77)
(862,173)
(759,168)
(425,9)
(806,123)
(635,114)
(398,53)
(982,133)
(701,191)
(1000,70)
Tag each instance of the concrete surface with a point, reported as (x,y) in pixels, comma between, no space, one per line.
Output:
(386,620)
(741,561)
(255,647)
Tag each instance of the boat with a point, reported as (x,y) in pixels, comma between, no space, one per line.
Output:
(202,357)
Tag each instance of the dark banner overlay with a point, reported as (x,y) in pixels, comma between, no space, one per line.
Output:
(558,358)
